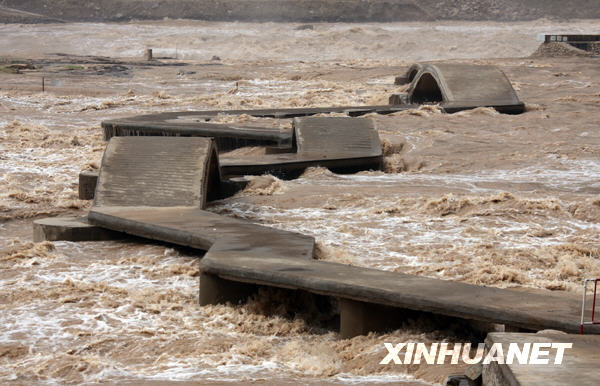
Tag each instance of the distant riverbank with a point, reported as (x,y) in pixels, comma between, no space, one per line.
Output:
(40,11)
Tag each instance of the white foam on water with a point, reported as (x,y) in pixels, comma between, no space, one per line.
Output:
(385,379)
(51,323)
(375,239)
(566,175)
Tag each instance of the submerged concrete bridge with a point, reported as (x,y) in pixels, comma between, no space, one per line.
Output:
(157,188)
(452,86)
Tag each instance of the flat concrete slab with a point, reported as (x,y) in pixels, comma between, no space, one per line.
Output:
(70,229)
(156,172)
(194,124)
(206,115)
(200,229)
(290,165)
(579,366)
(460,86)
(341,144)
(336,137)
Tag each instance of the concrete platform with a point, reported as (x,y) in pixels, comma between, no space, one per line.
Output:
(579,366)
(71,229)
(460,86)
(89,179)
(200,229)
(344,145)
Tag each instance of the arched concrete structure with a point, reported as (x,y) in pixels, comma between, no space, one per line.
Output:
(460,86)
(426,90)
(410,74)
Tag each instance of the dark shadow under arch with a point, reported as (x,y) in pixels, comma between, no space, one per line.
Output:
(426,90)
(412,73)
(214,191)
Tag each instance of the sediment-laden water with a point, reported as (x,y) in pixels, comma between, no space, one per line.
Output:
(478,197)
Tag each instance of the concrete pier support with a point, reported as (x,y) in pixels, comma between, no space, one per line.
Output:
(87,184)
(215,290)
(360,318)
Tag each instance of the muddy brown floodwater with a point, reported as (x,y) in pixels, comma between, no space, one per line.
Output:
(478,197)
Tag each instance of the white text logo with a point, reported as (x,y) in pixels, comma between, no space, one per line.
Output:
(439,353)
